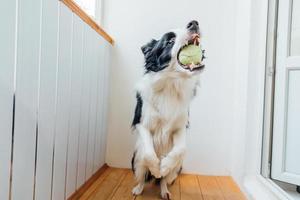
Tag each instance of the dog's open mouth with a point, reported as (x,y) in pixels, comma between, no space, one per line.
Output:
(190,55)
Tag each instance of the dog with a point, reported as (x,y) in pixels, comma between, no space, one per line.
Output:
(162,109)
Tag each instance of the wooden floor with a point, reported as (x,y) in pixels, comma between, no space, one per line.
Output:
(116,184)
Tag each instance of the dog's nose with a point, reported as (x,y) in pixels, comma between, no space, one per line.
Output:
(193,26)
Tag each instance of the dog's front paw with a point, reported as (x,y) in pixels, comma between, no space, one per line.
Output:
(155,172)
(166,195)
(166,165)
(137,190)
(153,164)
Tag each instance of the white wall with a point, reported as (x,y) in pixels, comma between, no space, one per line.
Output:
(213,112)
(247,145)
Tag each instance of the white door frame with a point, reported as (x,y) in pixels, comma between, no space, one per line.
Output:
(269,88)
(285,64)
(252,182)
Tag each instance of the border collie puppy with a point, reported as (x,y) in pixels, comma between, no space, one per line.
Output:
(161,114)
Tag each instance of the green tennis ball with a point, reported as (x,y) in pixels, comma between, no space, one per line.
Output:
(190,54)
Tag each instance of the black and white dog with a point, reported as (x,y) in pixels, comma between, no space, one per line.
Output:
(161,114)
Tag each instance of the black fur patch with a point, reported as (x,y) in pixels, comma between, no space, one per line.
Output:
(138,110)
(158,52)
(132,162)
(149,177)
(179,171)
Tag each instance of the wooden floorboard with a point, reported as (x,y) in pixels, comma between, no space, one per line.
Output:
(175,190)
(151,192)
(210,188)
(95,185)
(189,187)
(229,188)
(124,190)
(108,187)
(116,184)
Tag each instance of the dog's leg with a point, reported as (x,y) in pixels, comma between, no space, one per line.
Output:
(175,156)
(148,154)
(164,192)
(170,178)
(138,168)
(138,189)
(139,172)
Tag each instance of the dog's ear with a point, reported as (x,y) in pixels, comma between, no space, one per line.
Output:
(148,47)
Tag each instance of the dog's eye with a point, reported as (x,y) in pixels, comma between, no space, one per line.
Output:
(171,41)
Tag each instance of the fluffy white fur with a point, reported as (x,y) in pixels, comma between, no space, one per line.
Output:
(161,142)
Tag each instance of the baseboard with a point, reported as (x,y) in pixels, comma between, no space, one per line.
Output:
(79,192)
(259,187)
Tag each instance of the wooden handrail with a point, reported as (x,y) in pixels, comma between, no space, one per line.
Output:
(85,17)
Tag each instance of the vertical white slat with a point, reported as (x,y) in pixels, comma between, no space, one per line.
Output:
(7,65)
(99,105)
(63,103)
(93,103)
(47,99)
(26,99)
(76,89)
(100,92)
(88,63)
(84,112)
(107,53)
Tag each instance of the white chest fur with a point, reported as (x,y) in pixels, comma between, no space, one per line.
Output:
(166,98)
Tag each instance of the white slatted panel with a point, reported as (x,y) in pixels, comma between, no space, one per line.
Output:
(7,62)
(76,90)
(84,112)
(63,103)
(57,66)
(47,100)
(26,99)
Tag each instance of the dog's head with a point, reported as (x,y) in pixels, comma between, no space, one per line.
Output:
(163,55)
